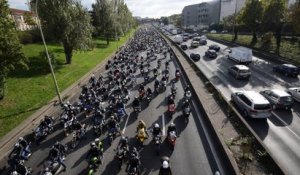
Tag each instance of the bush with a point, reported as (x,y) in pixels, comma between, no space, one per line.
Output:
(44,62)
(25,37)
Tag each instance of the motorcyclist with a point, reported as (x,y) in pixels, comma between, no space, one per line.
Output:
(18,150)
(61,148)
(156,130)
(121,106)
(136,102)
(123,144)
(186,89)
(155,72)
(26,153)
(134,162)
(156,84)
(165,168)
(171,99)
(185,104)
(142,126)
(21,169)
(141,88)
(94,152)
(112,124)
(173,87)
(171,128)
(54,155)
(149,92)
(79,128)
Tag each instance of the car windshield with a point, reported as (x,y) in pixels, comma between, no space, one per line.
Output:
(244,71)
(262,107)
(286,99)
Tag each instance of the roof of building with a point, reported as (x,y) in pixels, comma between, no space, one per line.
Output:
(20,12)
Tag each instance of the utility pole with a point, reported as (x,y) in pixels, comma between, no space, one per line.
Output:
(47,53)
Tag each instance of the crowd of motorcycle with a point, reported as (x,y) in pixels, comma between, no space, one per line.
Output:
(104,99)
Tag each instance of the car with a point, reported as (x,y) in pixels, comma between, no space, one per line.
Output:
(295,93)
(185,38)
(288,70)
(252,104)
(239,72)
(184,46)
(224,31)
(197,38)
(213,31)
(195,34)
(202,42)
(279,99)
(195,56)
(214,47)
(194,44)
(211,54)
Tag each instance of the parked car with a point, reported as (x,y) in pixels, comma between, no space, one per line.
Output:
(214,47)
(240,55)
(195,56)
(224,31)
(287,70)
(239,72)
(184,46)
(279,99)
(295,93)
(194,44)
(211,53)
(252,104)
(202,42)
(213,31)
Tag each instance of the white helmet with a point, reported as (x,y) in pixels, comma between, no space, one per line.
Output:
(156,125)
(165,164)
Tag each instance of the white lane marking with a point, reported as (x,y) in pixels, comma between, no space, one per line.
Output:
(163,125)
(286,125)
(123,131)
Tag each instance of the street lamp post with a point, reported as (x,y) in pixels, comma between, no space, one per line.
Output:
(234,25)
(47,53)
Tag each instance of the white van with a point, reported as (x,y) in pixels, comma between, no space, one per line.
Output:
(240,55)
(174,32)
(178,39)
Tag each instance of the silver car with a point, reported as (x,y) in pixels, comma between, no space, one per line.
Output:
(252,104)
(295,93)
(239,72)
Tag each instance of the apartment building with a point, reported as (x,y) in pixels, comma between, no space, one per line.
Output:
(18,17)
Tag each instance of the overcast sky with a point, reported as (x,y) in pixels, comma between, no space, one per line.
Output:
(142,8)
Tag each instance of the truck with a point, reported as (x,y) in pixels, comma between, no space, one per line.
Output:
(178,39)
(240,55)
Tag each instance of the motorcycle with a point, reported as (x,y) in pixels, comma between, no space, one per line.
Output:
(149,97)
(68,126)
(157,142)
(25,170)
(141,136)
(186,113)
(187,95)
(177,76)
(141,94)
(171,109)
(98,127)
(112,134)
(120,114)
(172,139)
(121,155)
(93,165)
(40,133)
(164,85)
(77,136)
(146,79)
(52,167)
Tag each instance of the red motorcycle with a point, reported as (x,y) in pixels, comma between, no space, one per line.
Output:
(171,109)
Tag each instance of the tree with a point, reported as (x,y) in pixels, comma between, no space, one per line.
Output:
(28,19)
(231,22)
(103,19)
(10,47)
(164,20)
(275,16)
(294,16)
(251,16)
(175,19)
(68,22)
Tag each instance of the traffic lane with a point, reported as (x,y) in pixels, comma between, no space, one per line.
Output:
(277,138)
(151,116)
